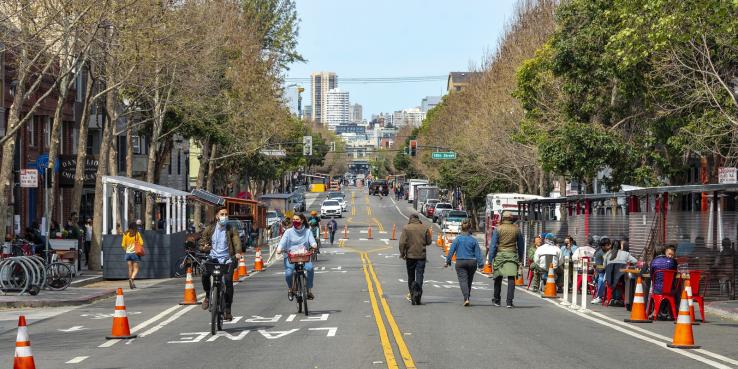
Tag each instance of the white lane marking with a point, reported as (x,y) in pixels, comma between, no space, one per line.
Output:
(331,330)
(84,279)
(77,360)
(625,329)
(171,319)
(398,209)
(72,329)
(276,334)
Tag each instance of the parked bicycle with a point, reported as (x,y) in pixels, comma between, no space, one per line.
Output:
(191,259)
(299,280)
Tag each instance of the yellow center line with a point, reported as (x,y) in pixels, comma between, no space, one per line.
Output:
(389,356)
(404,352)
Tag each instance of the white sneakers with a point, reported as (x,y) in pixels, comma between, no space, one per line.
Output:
(596,301)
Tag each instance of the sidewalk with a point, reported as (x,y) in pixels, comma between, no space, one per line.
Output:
(724,309)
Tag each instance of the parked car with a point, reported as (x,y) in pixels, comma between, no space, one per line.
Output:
(439,206)
(452,222)
(330,208)
(429,207)
(440,215)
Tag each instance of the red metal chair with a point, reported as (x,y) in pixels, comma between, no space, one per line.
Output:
(655,299)
(695,279)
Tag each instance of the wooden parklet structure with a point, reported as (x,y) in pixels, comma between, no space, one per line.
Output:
(251,213)
(163,245)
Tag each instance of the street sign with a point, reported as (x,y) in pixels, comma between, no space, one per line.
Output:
(727,175)
(274,152)
(29,178)
(450,155)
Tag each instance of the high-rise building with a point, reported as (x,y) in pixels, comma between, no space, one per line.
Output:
(320,84)
(429,102)
(356,113)
(307,113)
(408,117)
(336,108)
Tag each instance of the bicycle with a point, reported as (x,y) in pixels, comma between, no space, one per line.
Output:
(316,235)
(58,274)
(217,293)
(299,280)
(191,259)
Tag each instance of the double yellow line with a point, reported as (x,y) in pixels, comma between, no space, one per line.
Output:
(374,285)
(380,227)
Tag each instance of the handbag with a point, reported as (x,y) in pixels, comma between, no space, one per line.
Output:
(138,247)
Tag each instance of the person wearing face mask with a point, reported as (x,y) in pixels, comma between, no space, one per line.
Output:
(298,239)
(222,244)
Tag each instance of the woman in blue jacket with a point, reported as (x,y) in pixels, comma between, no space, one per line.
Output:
(468,258)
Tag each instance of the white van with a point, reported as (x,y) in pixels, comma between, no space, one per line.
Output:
(412,187)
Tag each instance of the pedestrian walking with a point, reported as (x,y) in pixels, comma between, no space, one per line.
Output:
(505,253)
(332,227)
(468,259)
(133,245)
(413,241)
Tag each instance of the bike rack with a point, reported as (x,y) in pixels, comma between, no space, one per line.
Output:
(22,274)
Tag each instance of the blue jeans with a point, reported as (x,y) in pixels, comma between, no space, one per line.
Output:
(601,285)
(289,269)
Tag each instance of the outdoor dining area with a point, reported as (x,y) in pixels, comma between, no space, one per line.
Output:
(664,238)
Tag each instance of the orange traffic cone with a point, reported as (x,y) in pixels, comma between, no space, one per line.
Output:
(235,278)
(519,278)
(394,229)
(549,291)
(190,296)
(638,309)
(325,233)
(487,267)
(683,337)
(688,287)
(369,233)
(439,241)
(242,271)
(121,329)
(345,232)
(23,355)
(258,263)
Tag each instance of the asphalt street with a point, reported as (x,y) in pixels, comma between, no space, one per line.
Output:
(361,319)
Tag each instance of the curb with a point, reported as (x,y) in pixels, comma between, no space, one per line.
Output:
(723,313)
(84,300)
(87,281)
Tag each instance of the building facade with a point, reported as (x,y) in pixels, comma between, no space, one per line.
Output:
(429,102)
(350,128)
(412,117)
(457,81)
(320,84)
(356,113)
(336,108)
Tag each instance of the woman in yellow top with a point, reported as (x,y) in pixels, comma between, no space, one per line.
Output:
(130,238)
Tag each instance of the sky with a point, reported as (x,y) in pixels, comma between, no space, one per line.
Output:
(395,38)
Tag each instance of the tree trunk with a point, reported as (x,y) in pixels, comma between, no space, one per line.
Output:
(129,164)
(211,168)
(204,159)
(6,167)
(56,128)
(79,170)
(113,171)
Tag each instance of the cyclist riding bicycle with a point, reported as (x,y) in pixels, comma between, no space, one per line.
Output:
(296,240)
(314,222)
(222,244)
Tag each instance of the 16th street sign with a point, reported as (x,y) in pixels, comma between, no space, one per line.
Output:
(450,155)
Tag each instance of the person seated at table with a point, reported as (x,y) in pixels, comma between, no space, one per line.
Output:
(664,260)
(618,256)
(600,257)
(548,248)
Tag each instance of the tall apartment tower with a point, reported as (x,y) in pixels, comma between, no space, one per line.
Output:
(320,84)
(336,108)
(356,113)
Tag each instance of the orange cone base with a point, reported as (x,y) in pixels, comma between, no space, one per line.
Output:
(637,321)
(24,363)
(549,293)
(121,337)
(519,282)
(189,303)
(683,346)
(693,323)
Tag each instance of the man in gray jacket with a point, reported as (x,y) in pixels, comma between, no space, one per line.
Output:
(413,240)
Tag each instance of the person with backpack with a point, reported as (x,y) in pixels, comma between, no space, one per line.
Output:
(332,228)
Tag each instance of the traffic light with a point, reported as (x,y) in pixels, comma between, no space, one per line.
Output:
(413,147)
(307,145)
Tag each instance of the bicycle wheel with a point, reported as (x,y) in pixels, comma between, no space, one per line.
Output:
(297,286)
(58,276)
(214,309)
(221,308)
(303,292)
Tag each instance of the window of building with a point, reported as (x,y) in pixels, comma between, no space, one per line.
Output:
(136,143)
(179,162)
(458,88)
(31,132)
